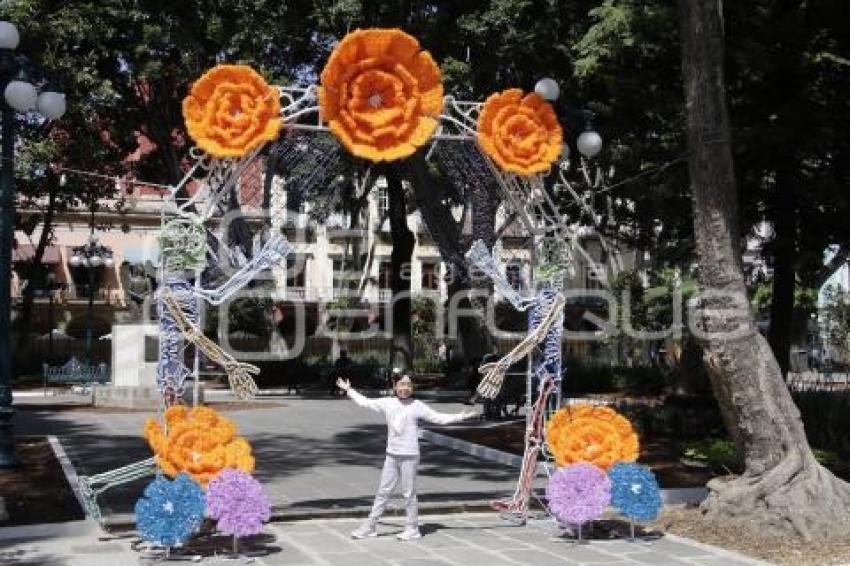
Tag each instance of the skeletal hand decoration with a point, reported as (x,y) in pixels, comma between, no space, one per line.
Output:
(239,374)
(241,378)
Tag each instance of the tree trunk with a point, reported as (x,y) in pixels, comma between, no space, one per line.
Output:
(782,300)
(401,355)
(474,339)
(783,489)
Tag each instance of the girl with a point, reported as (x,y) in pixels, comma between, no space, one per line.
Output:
(402,413)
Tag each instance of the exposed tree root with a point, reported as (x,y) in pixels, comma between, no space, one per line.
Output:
(789,500)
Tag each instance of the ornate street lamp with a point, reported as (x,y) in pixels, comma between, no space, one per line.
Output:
(19,95)
(92,257)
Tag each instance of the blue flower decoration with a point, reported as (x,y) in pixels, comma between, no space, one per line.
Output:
(634,491)
(170,511)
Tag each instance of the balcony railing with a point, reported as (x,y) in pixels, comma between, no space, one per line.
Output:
(76,293)
(300,294)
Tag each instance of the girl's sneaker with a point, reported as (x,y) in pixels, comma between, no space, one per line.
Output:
(408,534)
(365,530)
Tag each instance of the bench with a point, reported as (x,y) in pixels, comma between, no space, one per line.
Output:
(74,373)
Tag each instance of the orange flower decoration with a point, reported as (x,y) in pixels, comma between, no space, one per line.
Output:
(199,442)
(380,95)
(231,110)
(587,433)
(519,132)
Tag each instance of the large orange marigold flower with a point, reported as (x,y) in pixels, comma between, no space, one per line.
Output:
(231,110)
(519,132)
(380,95)
(588,433)
(199,442)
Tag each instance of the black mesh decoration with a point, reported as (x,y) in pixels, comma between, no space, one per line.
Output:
(464,166)
(307,161)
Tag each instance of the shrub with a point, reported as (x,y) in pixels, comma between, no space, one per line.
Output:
(719,454)
(826,417)
(287,373)
(428,365)
(366,372)
(580,378)
(683,418)
(640,380)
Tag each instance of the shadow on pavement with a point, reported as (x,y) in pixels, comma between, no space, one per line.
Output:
(298,471)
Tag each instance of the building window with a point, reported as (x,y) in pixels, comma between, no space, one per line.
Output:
(385,275)
(592,277)
(296,272)
(383,202)
(513,273)
(344,275)
(430,276)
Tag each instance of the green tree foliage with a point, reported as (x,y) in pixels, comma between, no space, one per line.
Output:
(835,322)
(786,72)
(127,66)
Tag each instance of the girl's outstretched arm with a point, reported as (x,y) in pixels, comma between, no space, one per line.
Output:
(432,416)
(361,400)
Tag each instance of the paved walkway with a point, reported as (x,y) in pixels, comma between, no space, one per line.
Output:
(461,539)
(316,458)
(313,455)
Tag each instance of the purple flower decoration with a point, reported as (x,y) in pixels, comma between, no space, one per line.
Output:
(237,502)
(578,493)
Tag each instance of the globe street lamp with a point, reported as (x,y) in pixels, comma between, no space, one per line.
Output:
(589,142)
(19,95)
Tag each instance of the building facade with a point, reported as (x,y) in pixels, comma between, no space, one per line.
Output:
(319,273)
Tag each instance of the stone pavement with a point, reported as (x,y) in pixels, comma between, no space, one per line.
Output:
(314,456)
(463,539)
(317,458)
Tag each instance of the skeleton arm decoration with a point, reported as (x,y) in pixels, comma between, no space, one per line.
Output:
(274,252)
(481,258)
(494,373)
(239,374)
(545,321)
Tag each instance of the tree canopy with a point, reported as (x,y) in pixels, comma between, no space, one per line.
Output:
(127,65)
